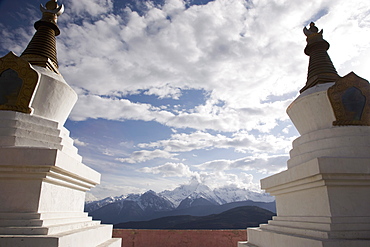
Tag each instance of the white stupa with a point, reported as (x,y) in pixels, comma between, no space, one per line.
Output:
(323,198)
(42,179)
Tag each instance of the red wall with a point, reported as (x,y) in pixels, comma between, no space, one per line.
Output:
(180,238)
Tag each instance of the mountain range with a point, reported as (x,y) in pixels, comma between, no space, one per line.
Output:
(236,218)
(194,199)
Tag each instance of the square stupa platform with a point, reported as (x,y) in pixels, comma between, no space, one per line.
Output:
(323,198)
(43,185)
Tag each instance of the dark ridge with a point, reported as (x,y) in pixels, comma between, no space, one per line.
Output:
(236,218)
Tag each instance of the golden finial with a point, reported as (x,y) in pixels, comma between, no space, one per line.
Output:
(320,68)
(51,11)
(42,50)
(52,7)
(312,30)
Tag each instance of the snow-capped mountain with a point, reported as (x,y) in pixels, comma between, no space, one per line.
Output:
(150,201)
(126,208)
(193,194)
(147,202)
(91,206)
(195,190)
(192,191)
(234,194)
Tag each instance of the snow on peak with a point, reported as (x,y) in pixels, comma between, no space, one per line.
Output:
(194,190)
(233,194)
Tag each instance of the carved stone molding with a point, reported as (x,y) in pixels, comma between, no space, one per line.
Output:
(350,100)
(18,81)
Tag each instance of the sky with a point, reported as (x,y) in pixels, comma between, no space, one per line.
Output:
(171,90)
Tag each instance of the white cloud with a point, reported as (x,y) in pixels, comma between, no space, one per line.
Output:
(126,144)
(14,40)
(93,106)
(144,155)
(228,48)
(82,8)
(217,179)
(169,170)
(212,178)
(240,142)
(347,29)
(79,143)
(202,117)
(264,165)
(165,92)
(108,153)
(107,188)
(156,52)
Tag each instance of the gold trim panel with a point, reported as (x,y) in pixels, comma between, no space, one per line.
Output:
(30,78)
(336,93)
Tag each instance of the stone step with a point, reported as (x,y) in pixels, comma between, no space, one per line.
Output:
(32,119)
(335,142)
(334,132)
(13,136)
(24,142)
(45,222)
(345,152)
(20,141)
(95,236)
(317,233)
(114,242)
(42,216)
(245,244)
(10,123)
(258,237)
(29,134)
(322,226)
(43,230)
(324,219)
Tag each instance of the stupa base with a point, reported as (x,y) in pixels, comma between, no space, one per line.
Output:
(265,238)
(95,236)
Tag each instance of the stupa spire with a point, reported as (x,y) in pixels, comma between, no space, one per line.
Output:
(42,50)
(320,68)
